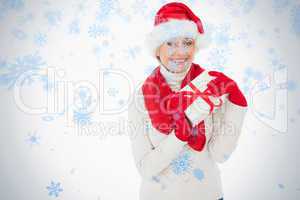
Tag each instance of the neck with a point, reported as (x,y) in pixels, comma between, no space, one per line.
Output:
(173,79)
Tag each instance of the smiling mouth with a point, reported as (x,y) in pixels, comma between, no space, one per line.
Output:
(179,61)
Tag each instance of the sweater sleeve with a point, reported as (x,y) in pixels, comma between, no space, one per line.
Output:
(227,126)
(149,159)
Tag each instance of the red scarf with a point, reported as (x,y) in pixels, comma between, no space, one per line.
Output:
(155,89)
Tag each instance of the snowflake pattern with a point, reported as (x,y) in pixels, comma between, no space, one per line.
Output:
(198,174)
(54,189)
(54,17)
(218,57)
(22,64)
(33,138)
(182,164)
(40,39)
(106,8)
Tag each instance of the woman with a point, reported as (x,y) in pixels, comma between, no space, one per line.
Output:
(185,119)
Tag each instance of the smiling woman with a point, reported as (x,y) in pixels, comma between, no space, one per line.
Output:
(177,54)
(189,118)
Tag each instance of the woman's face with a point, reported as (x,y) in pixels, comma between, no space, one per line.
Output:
(177,54)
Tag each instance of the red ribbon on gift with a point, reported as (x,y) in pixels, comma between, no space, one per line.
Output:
(204,95)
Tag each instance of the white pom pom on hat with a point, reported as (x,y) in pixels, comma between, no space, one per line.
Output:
(173,20)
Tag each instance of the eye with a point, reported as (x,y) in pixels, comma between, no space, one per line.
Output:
(188,42)
(169,43)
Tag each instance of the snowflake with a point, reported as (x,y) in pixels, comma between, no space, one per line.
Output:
(40,39)
(33,139)
(53,17)
(295,21)
(181,164)
(74,27)
(12,71)
(219,56)
(97,30)
(105,10)
(54,189)
(198,174)
(221,35)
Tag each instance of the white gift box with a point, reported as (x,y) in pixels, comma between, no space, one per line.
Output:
(200,109)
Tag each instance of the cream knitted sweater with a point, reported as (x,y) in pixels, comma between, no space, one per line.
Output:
(169,168)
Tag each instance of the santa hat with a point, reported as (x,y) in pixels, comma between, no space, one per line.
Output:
(173,20)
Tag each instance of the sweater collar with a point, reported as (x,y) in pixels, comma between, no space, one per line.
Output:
(173,79)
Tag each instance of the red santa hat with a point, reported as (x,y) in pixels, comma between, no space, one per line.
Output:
(173,20)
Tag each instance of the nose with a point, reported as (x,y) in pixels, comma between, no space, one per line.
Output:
(178,51)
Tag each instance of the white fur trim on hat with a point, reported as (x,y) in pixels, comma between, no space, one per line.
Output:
(175,28)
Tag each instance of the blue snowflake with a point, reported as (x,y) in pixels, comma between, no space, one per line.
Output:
(19,34)
(54,189)
(221,35)
(40,39)
(295,20)
(33,138)
(181,164)
(106,8)
(97,30)
(12,71)
(198,174)
(219,56)
(74,27)
(53,17)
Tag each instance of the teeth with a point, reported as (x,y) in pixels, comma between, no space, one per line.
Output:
(181,60)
